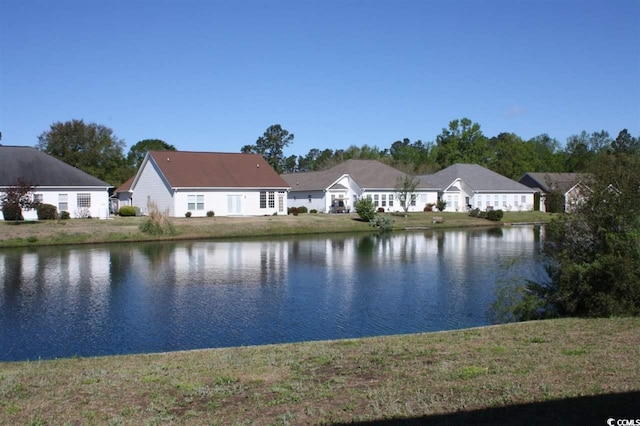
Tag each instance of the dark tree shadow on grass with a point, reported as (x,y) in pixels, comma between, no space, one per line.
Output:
(588,410)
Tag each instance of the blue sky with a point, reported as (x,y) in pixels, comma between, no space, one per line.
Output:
(213,75)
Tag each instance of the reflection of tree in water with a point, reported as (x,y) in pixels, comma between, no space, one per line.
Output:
(495,231)
(157,254)
(366,245)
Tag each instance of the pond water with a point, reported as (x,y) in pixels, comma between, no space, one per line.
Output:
(157,297)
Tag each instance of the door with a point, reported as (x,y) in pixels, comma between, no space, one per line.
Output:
(234,204)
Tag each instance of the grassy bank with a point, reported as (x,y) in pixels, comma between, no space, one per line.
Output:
(118,229)
(553,372)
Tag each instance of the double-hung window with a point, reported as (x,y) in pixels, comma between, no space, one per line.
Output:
(195,202)
(63,202)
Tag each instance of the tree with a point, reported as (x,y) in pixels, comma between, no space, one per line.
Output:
(16,198)
(92,148)
(594,253)
(140,149)
(366,209)
(271,146)
(462,142)
(405,190)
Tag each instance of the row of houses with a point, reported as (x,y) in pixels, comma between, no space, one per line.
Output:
(235,184)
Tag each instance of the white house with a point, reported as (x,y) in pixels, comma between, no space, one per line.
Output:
(55,182)
(339,187)
(572,186)
(468,186)
(228,184)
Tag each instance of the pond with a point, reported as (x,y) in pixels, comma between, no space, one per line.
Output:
(157,297)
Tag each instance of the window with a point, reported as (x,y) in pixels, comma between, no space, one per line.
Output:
(271,197)
(383,200)
(376,202)
(496,201)
(390,200)
(195,202)
(413,199)
(504,201)
(84,200)
(63,202)
(523,200)
(515,200)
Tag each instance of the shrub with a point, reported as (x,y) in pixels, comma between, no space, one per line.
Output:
(12,212)
(475,212)
(157,223)
(365,209)
(211,213)
(293,211)
(302,209)
(384,222)
(187,214)
(83,213)
(441,205)
(429,207)
(64,215)
(380,209)
(127,211)
(47,212)
(495,215)
(313,211)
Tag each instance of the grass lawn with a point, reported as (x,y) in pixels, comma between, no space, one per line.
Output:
(569,371)
(118,229)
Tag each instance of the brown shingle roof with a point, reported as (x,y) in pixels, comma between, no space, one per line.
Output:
(185,169)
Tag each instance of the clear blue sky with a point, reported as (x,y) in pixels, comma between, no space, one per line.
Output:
(213,75)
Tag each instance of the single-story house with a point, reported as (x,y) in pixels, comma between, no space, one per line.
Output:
(338,189)
(572,187)
(465,187)
(55,182)
(228,184)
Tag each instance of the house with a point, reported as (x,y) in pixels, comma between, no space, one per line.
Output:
(571,186)
(227,184)
(468,186)
(56,182)
(340,187)
(122,195)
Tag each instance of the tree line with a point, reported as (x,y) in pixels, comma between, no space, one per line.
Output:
(95,149)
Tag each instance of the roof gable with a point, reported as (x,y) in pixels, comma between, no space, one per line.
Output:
(547,182)
(186,169)
(368,174)
(41,169)
(475,177)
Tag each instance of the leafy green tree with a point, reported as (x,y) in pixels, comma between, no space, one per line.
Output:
(547,156)
(92,148)
(271,146)
(462,142)
(594,253)
(366,209)
(413,157)
(406,190)
(140,149)
(511,156)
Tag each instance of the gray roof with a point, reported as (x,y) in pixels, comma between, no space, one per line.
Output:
(548,182)
(476,177)
(368,174)
(40,169)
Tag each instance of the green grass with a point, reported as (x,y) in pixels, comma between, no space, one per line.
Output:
(118,229)
(536,372)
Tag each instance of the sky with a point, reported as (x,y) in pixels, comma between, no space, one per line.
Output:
(213,75)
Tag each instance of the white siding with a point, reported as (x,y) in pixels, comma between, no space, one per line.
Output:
(217,200)
(309,199)
(151,187)
(99,202)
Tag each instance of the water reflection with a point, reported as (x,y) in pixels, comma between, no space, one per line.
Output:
(58,302)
